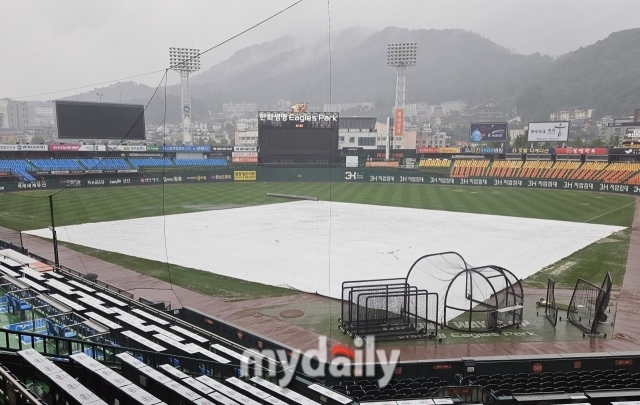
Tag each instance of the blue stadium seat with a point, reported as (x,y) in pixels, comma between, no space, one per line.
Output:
(56,164)
(105,164)
(151,162)
(18,168)
(201,162)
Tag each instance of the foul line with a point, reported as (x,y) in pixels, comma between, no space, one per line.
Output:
(606,213)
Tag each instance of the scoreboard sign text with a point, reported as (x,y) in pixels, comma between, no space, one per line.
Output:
(271,119)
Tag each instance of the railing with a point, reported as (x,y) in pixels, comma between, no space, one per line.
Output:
(60,349)
(14,391)
(128,297)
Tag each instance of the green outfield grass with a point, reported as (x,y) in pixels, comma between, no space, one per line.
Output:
(30,210)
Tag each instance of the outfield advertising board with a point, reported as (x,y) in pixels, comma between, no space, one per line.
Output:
(20,147)
(624,151)
(244,175)
(581,151)
(557,131)
(348,175)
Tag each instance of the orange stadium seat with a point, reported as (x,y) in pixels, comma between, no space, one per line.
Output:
(469,168)
(618,173)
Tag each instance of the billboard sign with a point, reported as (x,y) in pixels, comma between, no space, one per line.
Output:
(398,122)
(244,159)
(202,148)
(352,161)
(581,151)
(548,131)
(624,151)
(488,131)
(20,147)
(244,175)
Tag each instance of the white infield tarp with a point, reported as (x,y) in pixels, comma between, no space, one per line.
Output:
(314,246)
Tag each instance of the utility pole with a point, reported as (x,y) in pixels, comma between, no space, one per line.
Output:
(55,237)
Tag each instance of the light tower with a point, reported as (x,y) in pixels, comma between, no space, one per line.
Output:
(400,57)
(185,61)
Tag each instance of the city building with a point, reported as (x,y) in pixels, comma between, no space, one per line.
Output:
(450,107)
(331,108)
(243,109)
(485,112)
(621,130)
(247,124)
(514,133)
(244,137)
(575,116)
(431,140)
(359,132)
(14,114)
(44,112)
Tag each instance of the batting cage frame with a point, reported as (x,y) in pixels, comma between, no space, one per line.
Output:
(588,305)
(551,309)
(388,309)
(493,299)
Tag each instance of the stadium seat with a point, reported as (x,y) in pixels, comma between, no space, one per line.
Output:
(200,162)
(151,162)
(18,168)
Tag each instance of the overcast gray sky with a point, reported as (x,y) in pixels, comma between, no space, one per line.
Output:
(54,45)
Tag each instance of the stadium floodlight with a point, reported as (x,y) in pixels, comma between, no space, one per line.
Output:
(185,61)
(401,57)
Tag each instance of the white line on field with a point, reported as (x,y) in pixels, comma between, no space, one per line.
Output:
(624,206)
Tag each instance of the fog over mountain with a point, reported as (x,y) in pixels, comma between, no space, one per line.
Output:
(452,65)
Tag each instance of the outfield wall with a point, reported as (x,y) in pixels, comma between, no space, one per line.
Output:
(359,175)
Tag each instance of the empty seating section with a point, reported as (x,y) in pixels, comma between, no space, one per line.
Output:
(410,388)
(19,168)
(588,171)
(635,180)
(562,170)
(573,382)
(434,163)
(56,164)
(201,162)
(534,169)
(618,172)
(505,168)
(105,164)
(151,162)
(469,168)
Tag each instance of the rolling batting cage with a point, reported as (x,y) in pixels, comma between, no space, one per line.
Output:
(588,305)
(478,299)
(307,138)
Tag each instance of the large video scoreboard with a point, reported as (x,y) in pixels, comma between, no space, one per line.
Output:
(290,138)
(88,120)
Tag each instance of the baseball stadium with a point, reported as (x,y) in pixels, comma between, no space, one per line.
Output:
(297,270)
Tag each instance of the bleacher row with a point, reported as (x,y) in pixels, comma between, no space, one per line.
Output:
(158,359)
(21,168)
(80,343)
(573,382)
(616,173)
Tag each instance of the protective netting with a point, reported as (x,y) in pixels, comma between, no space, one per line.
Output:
(95,192)
(551,309)
(588,305)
